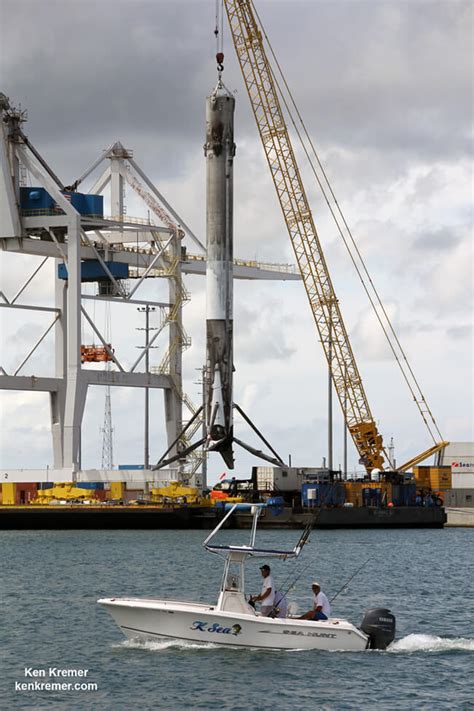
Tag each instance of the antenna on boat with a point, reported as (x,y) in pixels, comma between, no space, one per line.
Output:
(304,536)
(347,583)
(256,513)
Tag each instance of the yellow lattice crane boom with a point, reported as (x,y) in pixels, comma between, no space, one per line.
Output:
(266,106)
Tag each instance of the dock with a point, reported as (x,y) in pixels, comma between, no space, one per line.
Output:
(460,518)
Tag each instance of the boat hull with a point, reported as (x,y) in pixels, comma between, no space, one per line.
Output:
(154,619)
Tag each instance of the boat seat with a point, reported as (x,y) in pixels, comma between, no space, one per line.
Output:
(235,602)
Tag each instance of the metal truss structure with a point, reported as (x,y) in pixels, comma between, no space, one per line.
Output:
(151,248)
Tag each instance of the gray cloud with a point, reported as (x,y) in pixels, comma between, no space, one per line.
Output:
(386,91)
(380,76)
(437,240)
(460,333)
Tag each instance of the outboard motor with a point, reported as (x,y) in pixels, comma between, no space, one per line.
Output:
(379,624)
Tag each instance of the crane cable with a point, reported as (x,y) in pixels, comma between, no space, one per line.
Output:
(219,35)
(420,399)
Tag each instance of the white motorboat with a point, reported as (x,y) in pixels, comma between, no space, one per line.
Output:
(232,621)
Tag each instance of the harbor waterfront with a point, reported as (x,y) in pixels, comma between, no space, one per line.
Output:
(195,517)
(423,576)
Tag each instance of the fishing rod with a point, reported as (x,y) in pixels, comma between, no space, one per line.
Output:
(282,595)
(304,538)
(347,583)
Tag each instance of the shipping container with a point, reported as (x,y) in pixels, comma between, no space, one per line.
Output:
(37,198)
(278,479)
(117,490)
(433,477)
(379,493)
(77,200)
(18,493)
(92,270)
(322,494)
(94,205)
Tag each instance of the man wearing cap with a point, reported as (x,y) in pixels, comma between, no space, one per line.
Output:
(267,596)
(321,607)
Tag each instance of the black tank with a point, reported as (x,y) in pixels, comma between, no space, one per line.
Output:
(379,624)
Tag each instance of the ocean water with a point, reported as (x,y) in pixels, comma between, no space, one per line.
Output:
(50,581)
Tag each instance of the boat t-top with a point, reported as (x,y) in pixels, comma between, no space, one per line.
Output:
(232,621)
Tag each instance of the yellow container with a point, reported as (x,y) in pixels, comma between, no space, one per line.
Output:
(8,494)
(354,489)
(443,480)
(433,477)
(117,489)
(422,475)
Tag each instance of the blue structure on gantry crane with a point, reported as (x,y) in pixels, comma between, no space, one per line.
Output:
(37,198)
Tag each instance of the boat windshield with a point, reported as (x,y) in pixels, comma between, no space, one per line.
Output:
(233,577)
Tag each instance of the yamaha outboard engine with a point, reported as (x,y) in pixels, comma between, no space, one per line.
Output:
(379,624)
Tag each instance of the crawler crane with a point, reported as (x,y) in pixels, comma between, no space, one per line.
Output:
(261,86)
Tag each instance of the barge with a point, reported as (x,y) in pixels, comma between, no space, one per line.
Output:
(110,517)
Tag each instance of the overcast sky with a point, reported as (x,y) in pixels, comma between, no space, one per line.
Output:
(385,89)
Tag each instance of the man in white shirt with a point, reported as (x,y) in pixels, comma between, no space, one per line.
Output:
(321,608)
(267,596)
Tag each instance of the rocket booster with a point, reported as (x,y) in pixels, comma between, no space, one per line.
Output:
(219,151)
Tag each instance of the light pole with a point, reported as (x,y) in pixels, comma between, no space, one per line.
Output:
(330,445)
(204,430)
(345,422)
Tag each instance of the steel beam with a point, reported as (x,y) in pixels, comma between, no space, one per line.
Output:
(126,380)
(121,300)
(76,388)
(142,259)
(66,474)
(9,216)
(28,307)
(30,383)
(33,383)
(57,400)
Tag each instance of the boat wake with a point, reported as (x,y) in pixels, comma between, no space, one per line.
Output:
(162,645)
(432,643)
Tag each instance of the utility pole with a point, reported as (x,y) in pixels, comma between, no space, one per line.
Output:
(107,428)
(146,454)
(345,422)
(330,446)
(204,432)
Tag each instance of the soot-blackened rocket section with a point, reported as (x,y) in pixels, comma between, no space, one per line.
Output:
(219,151)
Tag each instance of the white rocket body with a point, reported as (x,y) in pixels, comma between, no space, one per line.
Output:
(219,151)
